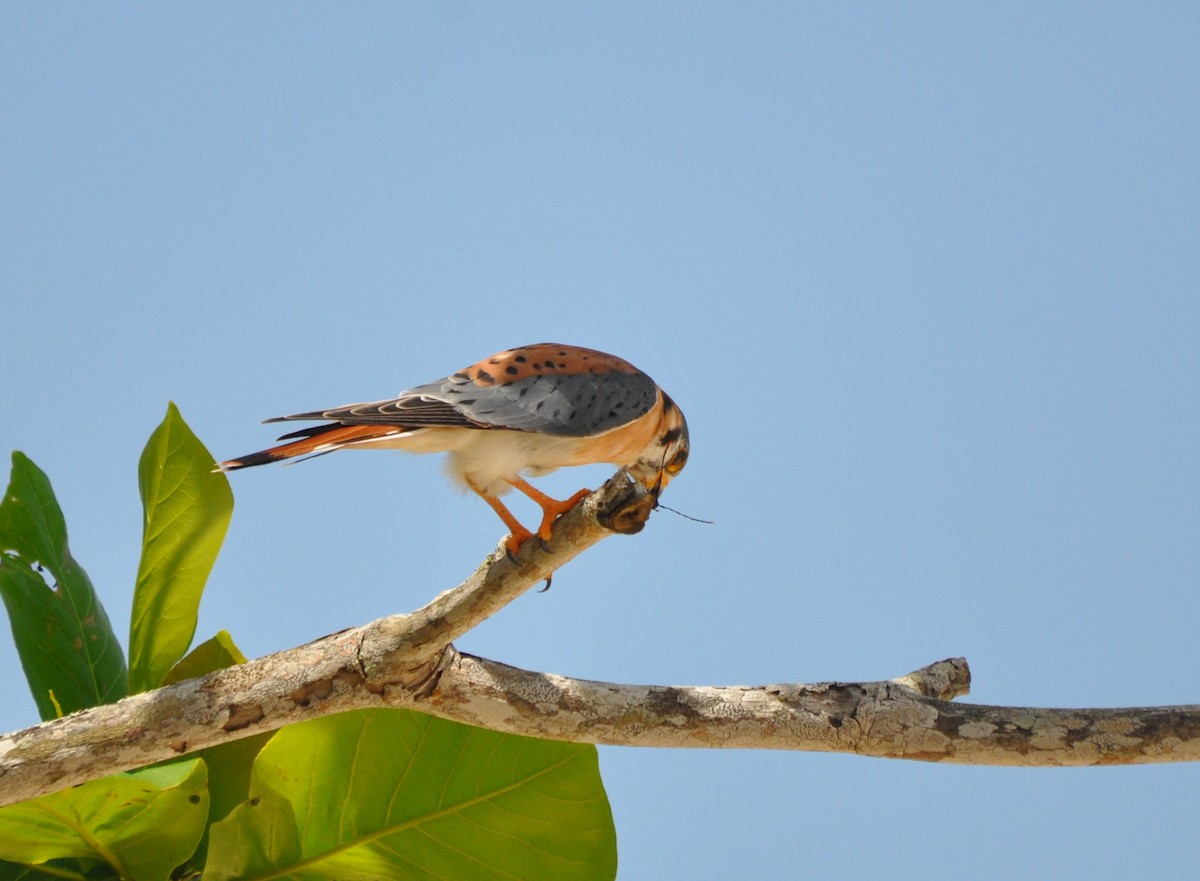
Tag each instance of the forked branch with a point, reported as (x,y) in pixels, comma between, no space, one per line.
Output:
(408,661)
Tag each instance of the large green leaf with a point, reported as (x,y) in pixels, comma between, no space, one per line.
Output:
(393,794)
(142,824)
(187,510)
(70,654)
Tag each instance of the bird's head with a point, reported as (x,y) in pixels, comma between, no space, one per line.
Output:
(666,455)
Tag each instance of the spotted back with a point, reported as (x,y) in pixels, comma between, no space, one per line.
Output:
(552,389)
(543,359)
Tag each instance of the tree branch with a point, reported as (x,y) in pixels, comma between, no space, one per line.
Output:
(392,661)
(906,718)
(407,661)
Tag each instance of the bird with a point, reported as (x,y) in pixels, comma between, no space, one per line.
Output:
(523,411)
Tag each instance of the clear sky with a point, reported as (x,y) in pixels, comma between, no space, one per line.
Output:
(924,278)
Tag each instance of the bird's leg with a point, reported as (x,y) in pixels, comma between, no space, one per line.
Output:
(518,533)
(552,509)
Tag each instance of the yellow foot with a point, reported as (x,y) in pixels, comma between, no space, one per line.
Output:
(516,540)
(553,509)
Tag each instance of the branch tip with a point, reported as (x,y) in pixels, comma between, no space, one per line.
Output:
(943,680)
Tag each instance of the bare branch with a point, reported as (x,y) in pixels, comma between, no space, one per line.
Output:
(906,718)
(407,660)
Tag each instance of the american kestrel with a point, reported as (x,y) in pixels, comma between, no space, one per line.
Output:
(528,410)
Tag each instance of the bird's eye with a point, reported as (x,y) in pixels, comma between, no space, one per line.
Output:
(677,462)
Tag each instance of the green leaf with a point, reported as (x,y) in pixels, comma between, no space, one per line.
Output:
(213,654)
(230,766)
(71,656)
(382,794)
(142,824)
(56,871)
(187,510)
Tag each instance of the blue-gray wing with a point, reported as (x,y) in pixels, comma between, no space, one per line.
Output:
(564,405)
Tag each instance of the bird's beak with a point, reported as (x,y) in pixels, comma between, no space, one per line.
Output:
(655,485)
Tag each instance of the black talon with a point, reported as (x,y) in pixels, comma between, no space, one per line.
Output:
(546,587)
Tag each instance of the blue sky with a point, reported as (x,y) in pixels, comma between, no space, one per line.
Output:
(925,281)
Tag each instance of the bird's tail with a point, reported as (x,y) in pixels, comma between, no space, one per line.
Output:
(315,441)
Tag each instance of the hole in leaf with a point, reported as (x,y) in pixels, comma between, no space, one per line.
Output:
(36,566)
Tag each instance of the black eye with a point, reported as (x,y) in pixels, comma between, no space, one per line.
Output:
(677,462)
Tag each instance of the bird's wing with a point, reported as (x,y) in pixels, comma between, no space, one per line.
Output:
(549,389)
(409,410)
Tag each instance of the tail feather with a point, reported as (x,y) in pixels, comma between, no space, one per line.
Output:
(311,431)
(313,442)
